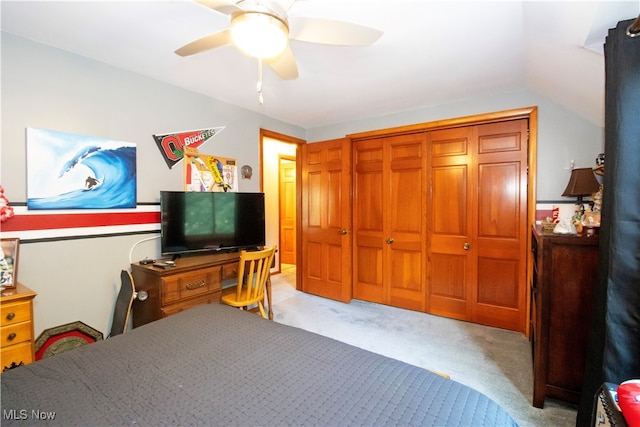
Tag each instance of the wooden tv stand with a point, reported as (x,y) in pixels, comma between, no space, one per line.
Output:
(194,280)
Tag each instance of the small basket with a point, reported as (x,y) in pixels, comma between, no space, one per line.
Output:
(548,225)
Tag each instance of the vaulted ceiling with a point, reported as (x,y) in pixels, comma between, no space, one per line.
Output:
(431,52)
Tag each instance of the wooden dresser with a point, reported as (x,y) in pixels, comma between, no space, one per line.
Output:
(16,308)
(563,287)
(194,280)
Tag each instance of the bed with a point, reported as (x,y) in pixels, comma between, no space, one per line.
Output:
(217,365)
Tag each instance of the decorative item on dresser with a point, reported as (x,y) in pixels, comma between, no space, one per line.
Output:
(562,296)
(16,308)
(9,262)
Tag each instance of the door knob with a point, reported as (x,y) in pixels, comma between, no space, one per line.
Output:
(344,231)
(390,240)
(466,246)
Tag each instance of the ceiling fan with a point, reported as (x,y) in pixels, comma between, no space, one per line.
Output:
(262,29)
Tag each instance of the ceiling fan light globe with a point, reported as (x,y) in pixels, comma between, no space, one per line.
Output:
(259,35)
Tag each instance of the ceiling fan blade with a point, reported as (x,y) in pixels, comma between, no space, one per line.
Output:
(331,32)
(221,6)
(285,4)
(212,41)
(285,65)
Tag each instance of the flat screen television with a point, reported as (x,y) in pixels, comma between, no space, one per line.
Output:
(196,222)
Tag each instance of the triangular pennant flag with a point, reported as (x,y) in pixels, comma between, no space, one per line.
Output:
(172,145)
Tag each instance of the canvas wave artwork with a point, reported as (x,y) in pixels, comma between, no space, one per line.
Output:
(68,171)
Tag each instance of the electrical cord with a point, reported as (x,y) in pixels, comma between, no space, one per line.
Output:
(137,243)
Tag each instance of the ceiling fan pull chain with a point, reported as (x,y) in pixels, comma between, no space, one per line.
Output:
(259,85)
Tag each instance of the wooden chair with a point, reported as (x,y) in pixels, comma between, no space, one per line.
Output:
(253,274)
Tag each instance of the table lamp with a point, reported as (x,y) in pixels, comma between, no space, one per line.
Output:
(581,183)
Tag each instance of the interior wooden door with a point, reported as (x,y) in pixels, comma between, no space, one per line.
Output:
(287,202)
(478,223)
(326,219)
(389,222)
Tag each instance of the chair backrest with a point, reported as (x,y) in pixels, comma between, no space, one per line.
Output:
(253,273)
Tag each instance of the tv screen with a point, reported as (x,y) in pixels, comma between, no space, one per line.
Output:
(201,221)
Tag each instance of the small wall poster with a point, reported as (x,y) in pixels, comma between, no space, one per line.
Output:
(68,171)
(203,172)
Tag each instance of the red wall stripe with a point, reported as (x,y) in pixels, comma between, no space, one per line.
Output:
(56,221)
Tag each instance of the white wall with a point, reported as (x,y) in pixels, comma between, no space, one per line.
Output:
(42,87)
(562,135)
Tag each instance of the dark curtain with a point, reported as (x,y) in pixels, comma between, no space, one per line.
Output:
(614,347)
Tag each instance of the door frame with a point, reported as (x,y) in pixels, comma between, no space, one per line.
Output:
(287,139)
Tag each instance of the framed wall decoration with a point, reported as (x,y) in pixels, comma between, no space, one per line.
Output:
(9,262)
(204,172)
(68,171)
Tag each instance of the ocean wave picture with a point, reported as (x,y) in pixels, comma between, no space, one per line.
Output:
(68,171)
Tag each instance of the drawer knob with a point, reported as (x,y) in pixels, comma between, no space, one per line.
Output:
(11,336)
(11,316)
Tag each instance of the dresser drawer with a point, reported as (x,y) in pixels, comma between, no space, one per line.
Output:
(191,284)
(213,298)
(17,312)
(19,353)
(230,271)
(15,334)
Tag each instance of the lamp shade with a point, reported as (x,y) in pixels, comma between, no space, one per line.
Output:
(581,183)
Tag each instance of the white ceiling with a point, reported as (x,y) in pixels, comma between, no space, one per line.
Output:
(432,52)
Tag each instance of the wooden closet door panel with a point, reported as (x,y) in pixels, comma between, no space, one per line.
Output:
(501,243)
(326,219)
(389,206)
(368,227)
(477,220)
(405,230)
(450,221)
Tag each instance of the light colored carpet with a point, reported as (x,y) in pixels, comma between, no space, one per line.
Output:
(493,361)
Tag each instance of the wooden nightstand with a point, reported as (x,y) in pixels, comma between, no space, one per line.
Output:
(16,326)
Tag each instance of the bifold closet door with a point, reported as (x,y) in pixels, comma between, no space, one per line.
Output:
(389,222)
(477,223)
(451,220)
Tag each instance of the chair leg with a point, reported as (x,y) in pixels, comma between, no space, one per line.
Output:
(261,307)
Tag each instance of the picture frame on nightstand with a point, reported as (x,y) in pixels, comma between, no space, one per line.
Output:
(9,262)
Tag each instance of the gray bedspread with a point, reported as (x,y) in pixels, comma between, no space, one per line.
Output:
(217,365)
